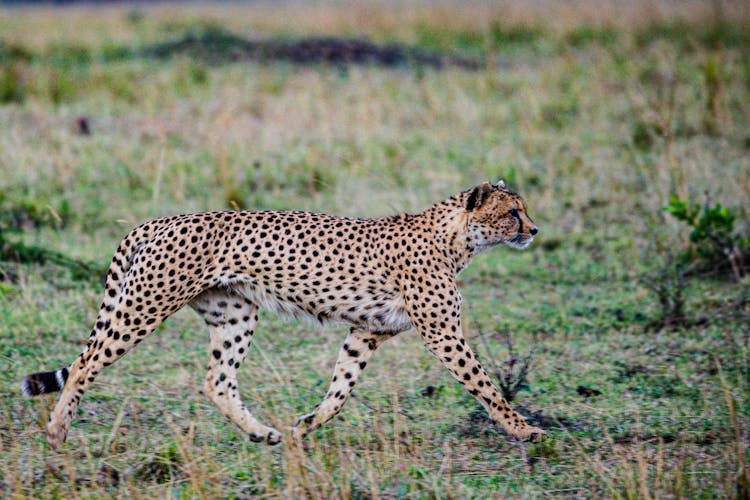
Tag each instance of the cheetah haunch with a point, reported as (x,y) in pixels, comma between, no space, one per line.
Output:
(380,276)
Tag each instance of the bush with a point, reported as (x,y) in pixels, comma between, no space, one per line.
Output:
(719,33)
(669,284)
(715,243)
(503,36)
(587,35)
(645,134)
(10,53)
(28,213)
(11,85)
(512,373)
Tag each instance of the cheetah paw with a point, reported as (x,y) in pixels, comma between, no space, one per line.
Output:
(55,435)
(298,434)
(272,437)
(529,433)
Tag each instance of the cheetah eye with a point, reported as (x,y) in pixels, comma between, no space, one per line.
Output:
(513,212)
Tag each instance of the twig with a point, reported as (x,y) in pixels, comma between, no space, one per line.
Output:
(510,382)
(486,345)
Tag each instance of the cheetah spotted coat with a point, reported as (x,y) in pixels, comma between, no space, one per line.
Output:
(379,276)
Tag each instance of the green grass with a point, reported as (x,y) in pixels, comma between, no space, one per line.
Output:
(595,124)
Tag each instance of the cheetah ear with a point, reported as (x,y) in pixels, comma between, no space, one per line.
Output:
(478,195)
(500,184)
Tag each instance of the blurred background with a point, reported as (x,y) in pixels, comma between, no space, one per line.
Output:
(623,330)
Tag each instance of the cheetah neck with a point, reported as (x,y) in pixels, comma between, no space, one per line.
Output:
(449,223)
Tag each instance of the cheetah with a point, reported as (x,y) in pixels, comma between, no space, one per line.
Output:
(378,276)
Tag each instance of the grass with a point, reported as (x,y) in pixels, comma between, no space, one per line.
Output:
(596,118)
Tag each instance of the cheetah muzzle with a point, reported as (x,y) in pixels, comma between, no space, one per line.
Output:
(379,276)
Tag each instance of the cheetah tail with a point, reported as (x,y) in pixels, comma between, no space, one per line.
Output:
(44,382)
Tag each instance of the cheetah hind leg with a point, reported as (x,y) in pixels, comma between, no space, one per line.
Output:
(358,348)
(231,321)
(110,339)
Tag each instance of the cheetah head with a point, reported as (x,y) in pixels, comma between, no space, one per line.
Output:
(497,215)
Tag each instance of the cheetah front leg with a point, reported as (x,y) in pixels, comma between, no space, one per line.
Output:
(231,321)
(437,317)
(358,348)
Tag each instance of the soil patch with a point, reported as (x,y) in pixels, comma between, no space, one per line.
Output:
(219,46)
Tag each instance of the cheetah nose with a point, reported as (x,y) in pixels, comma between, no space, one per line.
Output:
(534,230)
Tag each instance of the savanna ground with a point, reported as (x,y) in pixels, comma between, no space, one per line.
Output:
(597,113)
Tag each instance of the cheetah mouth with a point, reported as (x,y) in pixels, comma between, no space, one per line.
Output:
(520,241)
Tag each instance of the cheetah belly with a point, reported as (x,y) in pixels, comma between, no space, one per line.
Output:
(383,314)
(384,311)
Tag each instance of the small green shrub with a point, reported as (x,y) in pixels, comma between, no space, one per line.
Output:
(677,33)
(114,52)
(716,34)
(166,465)
(503,36)
(546,449)
(17,251)
(198,74)
(13,53)
(18,216)
(588,35)
(669,284)
(29,213)
(644,134)
(726,34)
(715,243)
(715,246)
(12,89)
